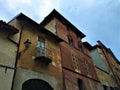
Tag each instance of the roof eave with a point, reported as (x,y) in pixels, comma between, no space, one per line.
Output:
(57,15)
(11,29)
(23,17)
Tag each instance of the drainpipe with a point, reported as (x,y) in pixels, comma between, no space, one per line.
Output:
(17,54)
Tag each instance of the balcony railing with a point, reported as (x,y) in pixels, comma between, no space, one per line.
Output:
(43,55)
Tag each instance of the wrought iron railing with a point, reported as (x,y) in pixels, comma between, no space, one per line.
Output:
(43,55)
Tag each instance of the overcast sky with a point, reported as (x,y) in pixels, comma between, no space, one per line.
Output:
(97,19)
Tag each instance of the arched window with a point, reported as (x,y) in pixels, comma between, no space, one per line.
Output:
(36,84)
(70,40)
(80,47)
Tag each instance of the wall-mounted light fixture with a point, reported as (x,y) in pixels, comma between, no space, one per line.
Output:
(27,44)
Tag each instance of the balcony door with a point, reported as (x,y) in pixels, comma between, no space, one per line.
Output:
(41,47)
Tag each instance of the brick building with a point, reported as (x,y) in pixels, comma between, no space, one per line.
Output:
(78,69)
(52,56)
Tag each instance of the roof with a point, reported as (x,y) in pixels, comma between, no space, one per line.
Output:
(100,44)
(109,50)
(87,45)
(8,28)
(26,19)
(53,14)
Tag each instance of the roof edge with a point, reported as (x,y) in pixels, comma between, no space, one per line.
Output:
(56,14)
(25,18)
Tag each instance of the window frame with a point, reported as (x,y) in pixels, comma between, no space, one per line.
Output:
(75,62)
(41,46)
(70,40)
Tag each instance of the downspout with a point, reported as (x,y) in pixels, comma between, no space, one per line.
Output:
(17,54)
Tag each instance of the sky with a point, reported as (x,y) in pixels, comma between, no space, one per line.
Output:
(97,19)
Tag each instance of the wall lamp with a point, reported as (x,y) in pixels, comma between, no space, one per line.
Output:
(27,44)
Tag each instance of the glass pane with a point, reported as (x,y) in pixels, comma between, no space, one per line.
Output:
(38,44)
(43,48)
(38,48)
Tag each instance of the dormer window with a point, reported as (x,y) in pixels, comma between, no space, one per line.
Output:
(70,40)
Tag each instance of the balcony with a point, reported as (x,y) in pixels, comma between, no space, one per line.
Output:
(43,55)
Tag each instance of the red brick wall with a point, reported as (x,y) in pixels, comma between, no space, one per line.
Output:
(66,50)
(66,53)
(72,84)
(63,32)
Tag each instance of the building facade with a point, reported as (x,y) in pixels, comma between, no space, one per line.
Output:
(8,54)
(103,59)
(78,69)
(112,62)
(39,59)
(52,56)
(115,65)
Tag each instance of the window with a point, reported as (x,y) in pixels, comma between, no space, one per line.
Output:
(104,87)
(75,63)
(81,84)
(70,40)
(41,47)
(80,47)
(111,88)
(87,67)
